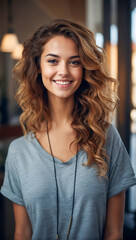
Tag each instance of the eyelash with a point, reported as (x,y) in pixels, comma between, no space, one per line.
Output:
(54,61)
(75,62)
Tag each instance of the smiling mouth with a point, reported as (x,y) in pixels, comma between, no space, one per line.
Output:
(62,82)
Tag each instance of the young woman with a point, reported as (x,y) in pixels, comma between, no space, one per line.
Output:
(67,176)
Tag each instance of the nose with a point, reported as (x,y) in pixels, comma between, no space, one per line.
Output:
(63,70)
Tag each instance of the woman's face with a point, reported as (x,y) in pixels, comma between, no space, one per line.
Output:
(60,67)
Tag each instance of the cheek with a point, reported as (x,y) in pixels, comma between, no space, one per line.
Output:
(79,75)
(47,74)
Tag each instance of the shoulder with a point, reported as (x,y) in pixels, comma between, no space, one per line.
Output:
(113,139)
(19,148)
(115,147)
(20,143)
(112,133)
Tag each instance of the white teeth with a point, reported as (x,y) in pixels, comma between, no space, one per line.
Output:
(62,82)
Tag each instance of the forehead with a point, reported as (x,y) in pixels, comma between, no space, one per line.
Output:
(61,44)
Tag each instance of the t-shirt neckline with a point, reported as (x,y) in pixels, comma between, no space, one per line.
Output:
(49,156)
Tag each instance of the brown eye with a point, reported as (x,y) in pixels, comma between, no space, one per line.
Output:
(75,62)
(52,61)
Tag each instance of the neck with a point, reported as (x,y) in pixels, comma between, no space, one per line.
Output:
(61,110)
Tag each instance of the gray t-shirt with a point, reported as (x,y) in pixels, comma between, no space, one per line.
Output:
(29,181)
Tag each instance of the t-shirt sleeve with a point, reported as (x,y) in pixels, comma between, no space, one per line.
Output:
(11,186)
(120,174)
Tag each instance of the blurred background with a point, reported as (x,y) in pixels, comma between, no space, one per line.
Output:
(114,24)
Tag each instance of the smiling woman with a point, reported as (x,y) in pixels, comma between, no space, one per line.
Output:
(67,177)
(61,68)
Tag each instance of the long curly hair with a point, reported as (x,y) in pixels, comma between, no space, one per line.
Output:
(95,99)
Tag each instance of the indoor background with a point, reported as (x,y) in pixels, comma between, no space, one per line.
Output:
(114,24)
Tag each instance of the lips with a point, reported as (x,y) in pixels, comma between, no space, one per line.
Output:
(62,82)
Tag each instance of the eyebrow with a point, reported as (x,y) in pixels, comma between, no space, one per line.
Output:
(56,56)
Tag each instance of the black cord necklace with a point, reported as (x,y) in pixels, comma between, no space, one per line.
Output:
(57,195)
